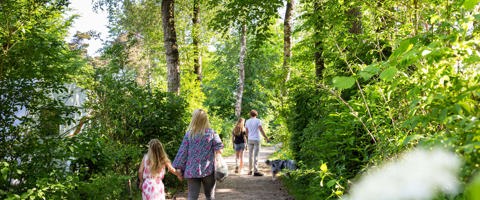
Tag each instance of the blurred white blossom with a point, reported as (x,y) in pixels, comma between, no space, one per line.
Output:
(418,175)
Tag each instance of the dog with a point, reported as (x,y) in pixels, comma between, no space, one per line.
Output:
(279,165)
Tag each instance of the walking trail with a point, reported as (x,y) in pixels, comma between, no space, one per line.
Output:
(245,187)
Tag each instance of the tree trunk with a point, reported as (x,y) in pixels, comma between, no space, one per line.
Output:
(171,48)
(241,70)
(197,56)
(356,17)
(318,45)
(287,38)
(319,62)
(415,17)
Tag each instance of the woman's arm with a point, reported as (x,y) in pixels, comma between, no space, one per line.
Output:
(180,161)
(233,140)
(217,143)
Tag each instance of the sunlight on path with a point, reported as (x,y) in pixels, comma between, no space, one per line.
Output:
(245,187)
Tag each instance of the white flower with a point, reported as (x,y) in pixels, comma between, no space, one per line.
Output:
(418,175)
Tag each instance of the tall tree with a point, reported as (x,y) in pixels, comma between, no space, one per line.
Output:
(171,47)
(197,55)
(241,71)
(318,41)
(250,17)
(287,38)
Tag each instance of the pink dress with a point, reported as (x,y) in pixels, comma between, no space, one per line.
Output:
(152,187)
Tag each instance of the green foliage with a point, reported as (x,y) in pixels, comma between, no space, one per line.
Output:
(319,182)
(105,186)
(473,188)
(256,15)
(262,72)
(404,74)
(150,113)
(419,89)
(220,80)
(35,66)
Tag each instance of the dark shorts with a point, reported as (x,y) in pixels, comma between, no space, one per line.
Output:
(239,147)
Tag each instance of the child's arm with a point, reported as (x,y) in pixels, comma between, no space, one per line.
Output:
(174,171)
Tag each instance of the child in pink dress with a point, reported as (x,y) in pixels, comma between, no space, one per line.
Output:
(152,171)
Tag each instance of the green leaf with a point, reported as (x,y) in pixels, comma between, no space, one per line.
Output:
(365,75)
(388,74)
(369,71)
(331,183)
(470,4)
(4,172)
(477,17)
(472,59)
(466,106)
(343,82)
(403,47)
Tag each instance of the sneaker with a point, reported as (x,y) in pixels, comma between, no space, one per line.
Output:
(236,170)
(250,173)
(257,174)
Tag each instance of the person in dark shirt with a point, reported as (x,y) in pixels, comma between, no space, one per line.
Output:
(239,138)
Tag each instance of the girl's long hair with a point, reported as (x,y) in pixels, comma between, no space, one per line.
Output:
(157,156)
(199,123)
(239,127)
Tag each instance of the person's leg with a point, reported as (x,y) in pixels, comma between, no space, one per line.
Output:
(251,144)
(256,149)
(193,188)
(209,186)
(241,158)
(237,158)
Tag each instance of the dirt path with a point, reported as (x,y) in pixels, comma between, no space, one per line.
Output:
(245,187)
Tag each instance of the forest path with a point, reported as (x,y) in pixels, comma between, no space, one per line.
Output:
(245,187)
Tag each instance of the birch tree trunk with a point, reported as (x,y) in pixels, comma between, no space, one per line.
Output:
(171,48)
(197,55)
(287,39)
(241,71)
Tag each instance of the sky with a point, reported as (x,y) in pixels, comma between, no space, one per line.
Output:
(88,20)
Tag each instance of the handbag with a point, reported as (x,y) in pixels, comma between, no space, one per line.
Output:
(221,168)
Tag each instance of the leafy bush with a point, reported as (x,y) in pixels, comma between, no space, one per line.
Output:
(425,93)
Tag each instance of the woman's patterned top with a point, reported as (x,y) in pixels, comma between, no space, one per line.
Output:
(196,156)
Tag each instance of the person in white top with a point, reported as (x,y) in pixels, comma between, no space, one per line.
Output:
(254,127)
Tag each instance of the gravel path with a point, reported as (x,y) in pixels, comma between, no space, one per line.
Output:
(245,187)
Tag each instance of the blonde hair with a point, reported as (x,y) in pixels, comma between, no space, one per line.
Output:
(239,127)
(157,156)
(199,123)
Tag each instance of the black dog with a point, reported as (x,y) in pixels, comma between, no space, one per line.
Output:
(279,165)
